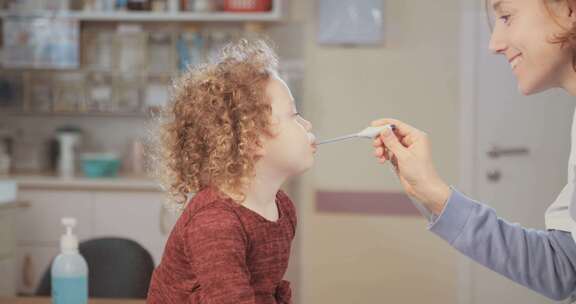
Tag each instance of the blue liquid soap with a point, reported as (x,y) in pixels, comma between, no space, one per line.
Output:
(69,290)
(69,270)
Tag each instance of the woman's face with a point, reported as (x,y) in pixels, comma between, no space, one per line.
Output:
(523,32)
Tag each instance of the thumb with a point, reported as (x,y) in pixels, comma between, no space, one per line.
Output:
(391,142)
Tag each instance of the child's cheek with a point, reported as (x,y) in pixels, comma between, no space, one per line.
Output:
(300,135)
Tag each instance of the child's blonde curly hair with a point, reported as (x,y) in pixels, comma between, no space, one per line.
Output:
(211,128)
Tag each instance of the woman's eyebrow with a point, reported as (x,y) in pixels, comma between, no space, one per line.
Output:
(497,5)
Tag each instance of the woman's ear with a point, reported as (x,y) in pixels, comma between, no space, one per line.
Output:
(565,13)
(570,6)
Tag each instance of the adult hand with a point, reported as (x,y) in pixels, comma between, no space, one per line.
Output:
(409,151)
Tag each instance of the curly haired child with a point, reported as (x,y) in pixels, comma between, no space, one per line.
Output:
(231,136)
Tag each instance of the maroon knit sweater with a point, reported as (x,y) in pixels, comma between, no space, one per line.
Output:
(222,252)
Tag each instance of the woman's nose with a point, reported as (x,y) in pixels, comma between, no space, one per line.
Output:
(497,45)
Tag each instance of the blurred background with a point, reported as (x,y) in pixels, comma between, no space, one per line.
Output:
(80,79)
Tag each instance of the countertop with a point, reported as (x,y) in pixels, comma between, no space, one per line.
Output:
(11,205)
(51,182)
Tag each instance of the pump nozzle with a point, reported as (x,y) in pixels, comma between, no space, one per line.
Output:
(68,241)
(69,223)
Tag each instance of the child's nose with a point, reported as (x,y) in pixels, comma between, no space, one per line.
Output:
(307,125)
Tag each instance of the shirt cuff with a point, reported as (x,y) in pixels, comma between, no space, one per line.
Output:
(450,223)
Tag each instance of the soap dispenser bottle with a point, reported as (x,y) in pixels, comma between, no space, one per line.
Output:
(69,270)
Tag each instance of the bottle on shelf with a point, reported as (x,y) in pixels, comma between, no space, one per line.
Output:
(5,160)
(203,6)
(159,5)
(247,5)
(138,5)
(191,46)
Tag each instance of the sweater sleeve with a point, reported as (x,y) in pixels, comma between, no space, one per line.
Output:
(216,245)
(543,261)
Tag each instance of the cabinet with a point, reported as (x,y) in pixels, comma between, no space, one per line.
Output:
(38,222)
(31,263)
(136,215)
(7,250)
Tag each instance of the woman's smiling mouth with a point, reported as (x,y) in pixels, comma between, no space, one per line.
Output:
(515,60)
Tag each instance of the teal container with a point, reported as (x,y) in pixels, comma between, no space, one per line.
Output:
(100,165)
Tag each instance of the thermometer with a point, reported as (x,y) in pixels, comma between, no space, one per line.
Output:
(370,132)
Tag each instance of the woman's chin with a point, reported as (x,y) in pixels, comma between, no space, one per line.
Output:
(527,88)
(524,91)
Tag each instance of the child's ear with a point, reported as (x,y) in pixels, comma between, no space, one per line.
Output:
(259,150)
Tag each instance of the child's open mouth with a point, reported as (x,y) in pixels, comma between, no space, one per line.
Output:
(312,140)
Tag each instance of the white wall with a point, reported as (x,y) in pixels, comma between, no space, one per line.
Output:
(414,77)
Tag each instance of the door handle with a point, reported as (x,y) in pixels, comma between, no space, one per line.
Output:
(496,152)
(494,176)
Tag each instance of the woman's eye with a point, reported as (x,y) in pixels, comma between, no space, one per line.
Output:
(505,18)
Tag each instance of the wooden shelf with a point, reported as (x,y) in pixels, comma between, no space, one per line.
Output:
(73,114)
(78,182)
(159,17)
(138,16)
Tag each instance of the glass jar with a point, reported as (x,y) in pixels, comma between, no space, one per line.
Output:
(40,92)
(128,92)
(98,50)
(68,92)
(161,53)
(99,93)
(11,89)
(130,52)
(138,5)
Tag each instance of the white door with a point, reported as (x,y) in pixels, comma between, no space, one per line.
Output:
(516,152)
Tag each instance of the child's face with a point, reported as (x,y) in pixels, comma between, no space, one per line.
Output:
(291,150)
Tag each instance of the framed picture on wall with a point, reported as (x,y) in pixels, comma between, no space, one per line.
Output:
(347,22)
